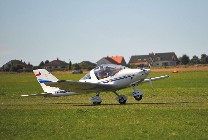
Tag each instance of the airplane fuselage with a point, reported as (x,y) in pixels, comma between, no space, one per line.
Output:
(124,78)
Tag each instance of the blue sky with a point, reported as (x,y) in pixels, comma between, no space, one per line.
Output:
(36,30)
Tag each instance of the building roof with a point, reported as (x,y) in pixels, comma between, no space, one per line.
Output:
(88,63)
(57,63)
(169,56)
(117,59)
(141,58)
(112,61)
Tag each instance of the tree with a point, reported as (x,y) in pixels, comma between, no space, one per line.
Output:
(204,59)
(29,64)
(185,59)
(195,60)
(76,66)
(35,67)
(207,60)
(41,64)
(46,62)
(70,65)
(16,68)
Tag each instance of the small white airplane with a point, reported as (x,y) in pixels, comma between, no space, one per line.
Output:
(104,78)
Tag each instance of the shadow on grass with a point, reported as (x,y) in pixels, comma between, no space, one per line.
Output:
(128,104)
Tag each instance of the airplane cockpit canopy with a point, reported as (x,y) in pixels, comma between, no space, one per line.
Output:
(87,76)
(107,70)
(104,71)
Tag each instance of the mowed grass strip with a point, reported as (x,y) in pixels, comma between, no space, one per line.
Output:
(176,108)
(104,123)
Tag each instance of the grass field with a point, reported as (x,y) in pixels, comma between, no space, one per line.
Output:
(177,108)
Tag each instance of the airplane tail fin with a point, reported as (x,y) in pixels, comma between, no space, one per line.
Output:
(43,76)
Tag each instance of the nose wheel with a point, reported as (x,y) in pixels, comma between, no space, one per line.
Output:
(138,97)
(137,94)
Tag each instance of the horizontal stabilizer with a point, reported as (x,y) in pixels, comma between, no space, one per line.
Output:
(41,94)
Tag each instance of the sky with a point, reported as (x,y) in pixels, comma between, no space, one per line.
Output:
(87,30)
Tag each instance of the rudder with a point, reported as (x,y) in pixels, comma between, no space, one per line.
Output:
(44,76)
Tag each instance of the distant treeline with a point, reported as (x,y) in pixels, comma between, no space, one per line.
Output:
(185,60)
(20,66)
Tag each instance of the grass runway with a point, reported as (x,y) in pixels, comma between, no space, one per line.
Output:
(176,108)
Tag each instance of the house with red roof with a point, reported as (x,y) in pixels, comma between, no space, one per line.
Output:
(119,60)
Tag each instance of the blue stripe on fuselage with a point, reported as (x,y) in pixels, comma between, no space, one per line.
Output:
(117,79)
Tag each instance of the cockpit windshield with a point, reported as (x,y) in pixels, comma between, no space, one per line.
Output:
(87,76)
(107,70)
(104,71)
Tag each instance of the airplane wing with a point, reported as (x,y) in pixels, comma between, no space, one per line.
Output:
(81,87)
(156,78)
(41,94)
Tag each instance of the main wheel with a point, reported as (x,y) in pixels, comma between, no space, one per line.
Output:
(138,97)
(122,101)
(96,103)
(96,100)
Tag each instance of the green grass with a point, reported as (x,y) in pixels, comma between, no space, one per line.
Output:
(176,108)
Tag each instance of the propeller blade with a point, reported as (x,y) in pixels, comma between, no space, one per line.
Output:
(150,81)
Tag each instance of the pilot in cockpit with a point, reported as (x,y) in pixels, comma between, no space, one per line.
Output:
(104,72)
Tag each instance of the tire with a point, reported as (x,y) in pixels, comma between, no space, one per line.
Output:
(138,97)
(96,103)
(122,101)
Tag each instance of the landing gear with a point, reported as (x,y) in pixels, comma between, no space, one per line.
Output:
(121,98)
(137,94)
(96,100)
(138,97)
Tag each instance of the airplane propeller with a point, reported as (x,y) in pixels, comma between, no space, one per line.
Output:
(148,77)
(150,81)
